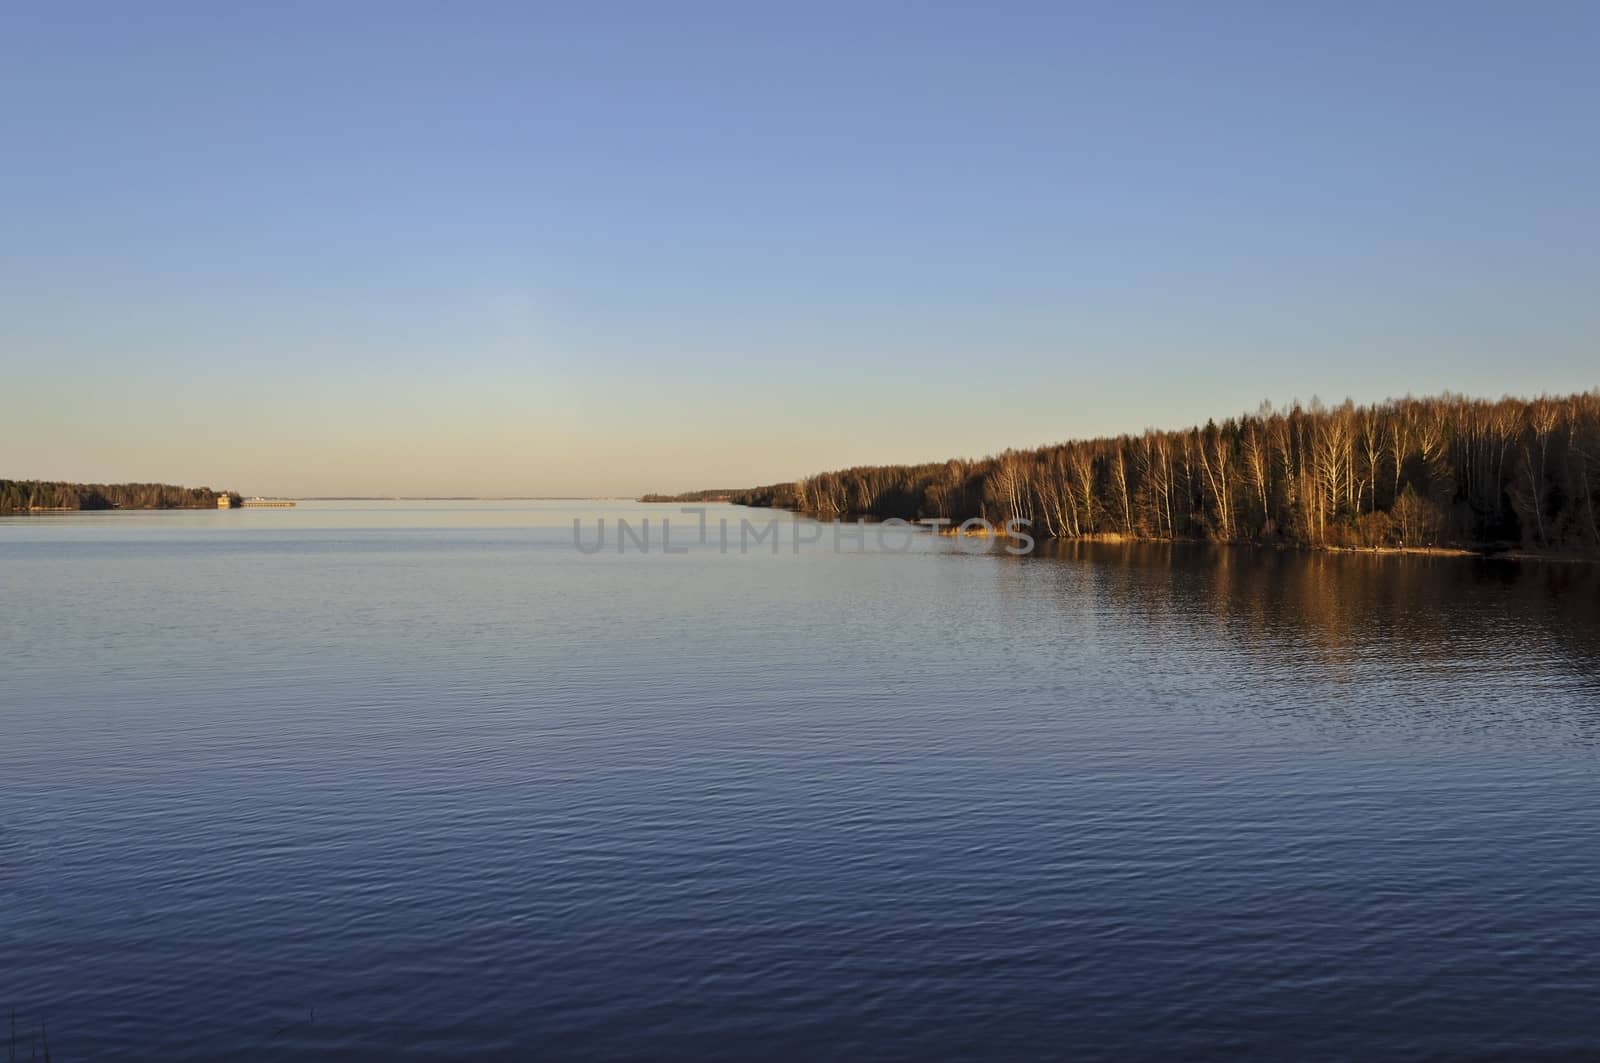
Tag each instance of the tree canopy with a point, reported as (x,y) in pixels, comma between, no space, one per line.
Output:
(1447,470)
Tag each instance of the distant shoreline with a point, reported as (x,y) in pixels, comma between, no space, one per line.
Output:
(44,496)
(713,495)
(55,496)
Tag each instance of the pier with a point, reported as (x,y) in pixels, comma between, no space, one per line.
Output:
(227,502)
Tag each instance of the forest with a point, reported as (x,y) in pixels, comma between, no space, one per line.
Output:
(1411,472)
(39,494)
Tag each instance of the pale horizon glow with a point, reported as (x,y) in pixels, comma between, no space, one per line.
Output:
(385,250)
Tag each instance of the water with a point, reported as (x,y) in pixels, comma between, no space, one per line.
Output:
(355,778)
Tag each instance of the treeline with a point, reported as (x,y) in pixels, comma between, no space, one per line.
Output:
(694,496)
(1445,471)
(41,494)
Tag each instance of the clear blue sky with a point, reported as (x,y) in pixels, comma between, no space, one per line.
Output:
(605,248)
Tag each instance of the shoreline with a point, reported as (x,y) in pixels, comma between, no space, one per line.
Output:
(1484,553)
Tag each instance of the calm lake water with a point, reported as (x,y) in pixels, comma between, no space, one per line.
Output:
(354,778)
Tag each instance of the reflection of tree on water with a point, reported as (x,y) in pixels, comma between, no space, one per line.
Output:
(1435,634)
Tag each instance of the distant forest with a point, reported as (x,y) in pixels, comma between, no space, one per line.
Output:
(1445,471)
(39,494)
(694,496)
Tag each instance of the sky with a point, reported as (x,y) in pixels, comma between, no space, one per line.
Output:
(600,249)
